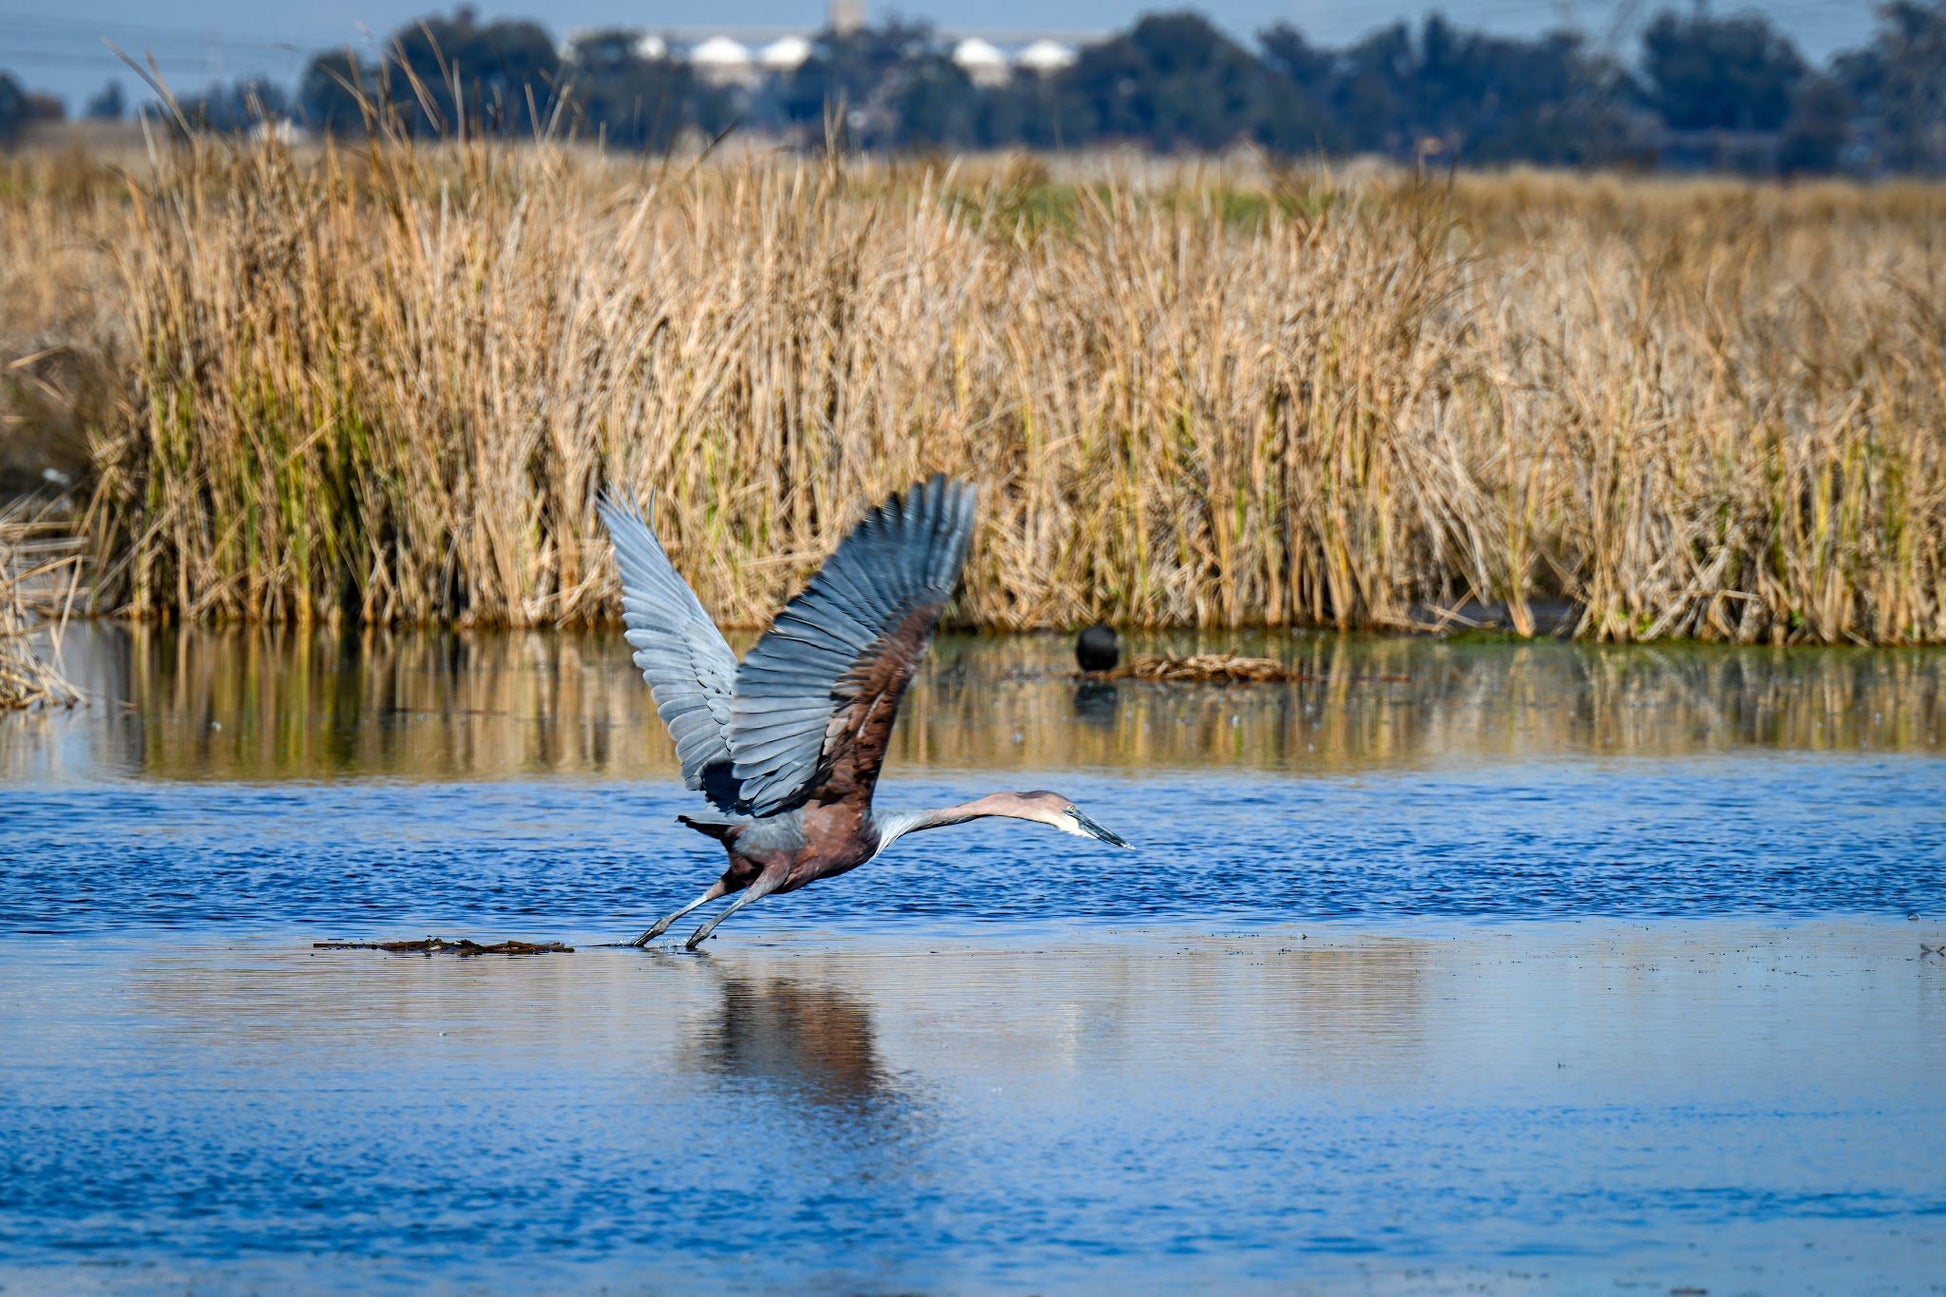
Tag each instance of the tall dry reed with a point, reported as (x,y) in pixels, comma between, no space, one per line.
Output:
(386,384)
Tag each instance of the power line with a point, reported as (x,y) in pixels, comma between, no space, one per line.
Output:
(57,58)
(42,43)
(93,29)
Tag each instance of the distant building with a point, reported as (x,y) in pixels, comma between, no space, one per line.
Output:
(1046,57)
(847,16)
(784,55)
(982,62)
(765,56)
(722,61)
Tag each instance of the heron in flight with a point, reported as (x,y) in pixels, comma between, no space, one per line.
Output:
(787,744)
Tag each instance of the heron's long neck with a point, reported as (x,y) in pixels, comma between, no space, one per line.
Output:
(894,825)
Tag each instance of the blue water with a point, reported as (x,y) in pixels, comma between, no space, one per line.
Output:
(1408,987)
(1756,834)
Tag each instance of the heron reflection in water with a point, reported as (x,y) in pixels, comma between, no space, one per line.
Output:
(786,745)
(815,1038)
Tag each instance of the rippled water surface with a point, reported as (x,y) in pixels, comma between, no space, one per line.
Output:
(1448,968)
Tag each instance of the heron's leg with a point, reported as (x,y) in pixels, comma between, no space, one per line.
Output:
(718,889)
(767,882)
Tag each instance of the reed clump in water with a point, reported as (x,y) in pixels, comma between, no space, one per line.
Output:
(37,568)
(386,384)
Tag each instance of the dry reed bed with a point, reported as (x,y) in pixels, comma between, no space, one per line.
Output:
(38,565)
(388,384)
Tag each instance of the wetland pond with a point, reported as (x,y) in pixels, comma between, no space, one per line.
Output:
(1453,967)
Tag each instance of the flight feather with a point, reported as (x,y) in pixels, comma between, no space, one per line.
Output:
(814,701)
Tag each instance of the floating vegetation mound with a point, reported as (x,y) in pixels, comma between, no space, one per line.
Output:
(37,566)
(1208,668)
(441,946)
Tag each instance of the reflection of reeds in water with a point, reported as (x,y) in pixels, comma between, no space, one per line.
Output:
(263,704)
(384,384)
(270,702)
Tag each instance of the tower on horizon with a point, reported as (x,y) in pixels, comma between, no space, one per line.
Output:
(847,16)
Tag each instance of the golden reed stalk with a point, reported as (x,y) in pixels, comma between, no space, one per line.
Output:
(385,383)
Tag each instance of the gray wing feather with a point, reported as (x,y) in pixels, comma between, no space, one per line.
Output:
(905,555)
(682,655)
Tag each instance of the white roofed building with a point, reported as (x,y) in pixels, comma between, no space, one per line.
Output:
(722,61)
(783,55)
(1046,57)
(982,62)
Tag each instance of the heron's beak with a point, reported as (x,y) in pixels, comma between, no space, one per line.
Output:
(1095,830)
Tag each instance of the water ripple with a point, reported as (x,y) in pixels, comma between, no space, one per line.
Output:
(1771,835)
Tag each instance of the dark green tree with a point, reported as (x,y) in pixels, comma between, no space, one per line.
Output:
(1819,130)
(449,73)
(335,92)
(1899,85)
(625,99)
(933,104)
(1467,96)
(13,108)
(858,81)
(235,107)
(108,105)
(1173,81)
(1704,73)
(441,76)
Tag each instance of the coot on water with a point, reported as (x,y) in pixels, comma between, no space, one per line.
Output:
(1097,648)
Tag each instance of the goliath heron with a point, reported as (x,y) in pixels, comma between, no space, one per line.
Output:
(786,745)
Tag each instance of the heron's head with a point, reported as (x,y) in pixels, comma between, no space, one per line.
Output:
(1063,814)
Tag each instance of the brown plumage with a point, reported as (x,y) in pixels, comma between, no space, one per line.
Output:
(787,745)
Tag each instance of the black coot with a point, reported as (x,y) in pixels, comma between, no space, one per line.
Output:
(1097,648)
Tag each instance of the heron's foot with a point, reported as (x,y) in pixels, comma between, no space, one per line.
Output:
(698,937)
(661,926)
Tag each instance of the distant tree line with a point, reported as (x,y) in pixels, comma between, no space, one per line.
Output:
(20,108)
(1701,90)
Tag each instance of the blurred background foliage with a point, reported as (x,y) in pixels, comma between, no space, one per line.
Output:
(1698,90)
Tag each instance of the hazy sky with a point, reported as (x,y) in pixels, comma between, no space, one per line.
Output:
(58,47)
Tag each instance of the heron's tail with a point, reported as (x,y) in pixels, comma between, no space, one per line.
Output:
(711,827)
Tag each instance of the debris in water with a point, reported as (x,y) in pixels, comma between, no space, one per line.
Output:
(441,946)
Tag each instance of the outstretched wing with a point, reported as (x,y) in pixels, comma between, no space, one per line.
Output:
(682,655)
(816,698)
